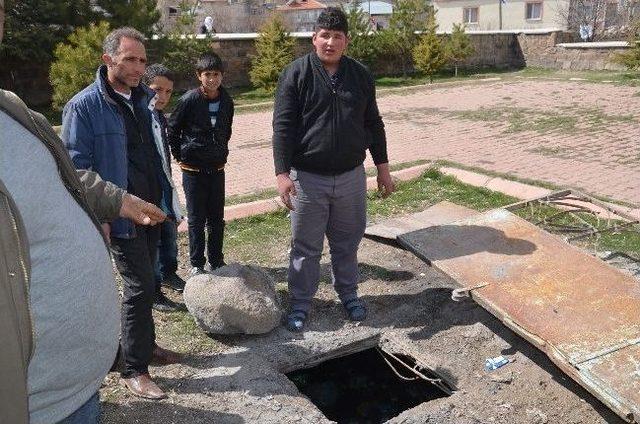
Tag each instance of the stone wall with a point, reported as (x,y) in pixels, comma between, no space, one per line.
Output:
(493,49)
(552,51)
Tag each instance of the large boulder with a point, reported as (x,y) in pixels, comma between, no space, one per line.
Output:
(233,299)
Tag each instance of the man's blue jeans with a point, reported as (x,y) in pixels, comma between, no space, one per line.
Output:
(167,260)
(89,413)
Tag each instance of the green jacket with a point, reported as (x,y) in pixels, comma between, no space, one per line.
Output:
(101,200)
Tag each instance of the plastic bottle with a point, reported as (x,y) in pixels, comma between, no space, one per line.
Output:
(494,363)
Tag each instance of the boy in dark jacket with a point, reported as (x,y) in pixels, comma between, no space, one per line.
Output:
(199,132)
(160,79)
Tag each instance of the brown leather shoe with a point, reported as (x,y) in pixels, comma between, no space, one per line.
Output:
(143,386)
(165,356)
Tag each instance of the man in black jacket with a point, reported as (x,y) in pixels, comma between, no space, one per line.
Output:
(325,118)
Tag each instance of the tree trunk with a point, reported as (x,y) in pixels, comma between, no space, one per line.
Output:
(455,72)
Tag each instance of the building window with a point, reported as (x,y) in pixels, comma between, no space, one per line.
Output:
(533,11)
(470,15)
(611,15)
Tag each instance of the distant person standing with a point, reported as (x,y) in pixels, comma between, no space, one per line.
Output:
(207,26)
(199,133)
(325,118)
(160,80)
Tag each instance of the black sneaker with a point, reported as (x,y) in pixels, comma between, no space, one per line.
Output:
(174,283)
(162,303)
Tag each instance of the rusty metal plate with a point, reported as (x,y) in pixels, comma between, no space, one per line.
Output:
(620,372)
(440,213)
(569,304)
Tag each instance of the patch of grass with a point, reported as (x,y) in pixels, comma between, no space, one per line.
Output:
(597,117)
(259,239)
(482,114)
(620,239)
(616,77)
(547,151)
(532,71)
(433,187)
(543,122)
(372,172)
(262,239)
(183,334)
(252,197)
(522,119)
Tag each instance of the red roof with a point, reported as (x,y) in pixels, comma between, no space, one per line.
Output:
(302,5)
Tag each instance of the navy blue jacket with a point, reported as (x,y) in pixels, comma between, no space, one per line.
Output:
(93,131)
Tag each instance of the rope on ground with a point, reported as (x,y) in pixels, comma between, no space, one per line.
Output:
(435,381)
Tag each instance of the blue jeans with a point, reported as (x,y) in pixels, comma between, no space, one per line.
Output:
(167,259)
(89,413)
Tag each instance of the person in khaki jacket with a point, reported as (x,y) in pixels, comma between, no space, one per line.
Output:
(59,307)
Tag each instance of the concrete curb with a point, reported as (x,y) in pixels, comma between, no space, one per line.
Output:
(512,188)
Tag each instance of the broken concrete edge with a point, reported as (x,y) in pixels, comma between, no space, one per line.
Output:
(520,190)
(512,188)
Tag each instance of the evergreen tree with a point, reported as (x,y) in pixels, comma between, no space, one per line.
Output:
(33,28)
(407,19)
(630,59)
(139,14)
(363,43)
(274,51)
(76,62)
(430,54)
(180,49)
(459,46)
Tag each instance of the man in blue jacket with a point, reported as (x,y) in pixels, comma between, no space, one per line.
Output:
(107,129)
(325,118)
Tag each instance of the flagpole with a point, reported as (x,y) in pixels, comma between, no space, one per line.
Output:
(500,14)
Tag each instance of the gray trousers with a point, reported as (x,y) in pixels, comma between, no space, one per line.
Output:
(334,205)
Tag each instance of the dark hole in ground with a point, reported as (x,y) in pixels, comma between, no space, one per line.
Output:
(362,388)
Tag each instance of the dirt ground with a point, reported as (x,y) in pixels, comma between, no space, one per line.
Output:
(240,379)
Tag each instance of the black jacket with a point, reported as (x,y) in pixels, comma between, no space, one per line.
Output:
(192,139)
(319,129)
(144,168)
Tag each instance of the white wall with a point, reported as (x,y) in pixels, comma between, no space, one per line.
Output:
(513,14)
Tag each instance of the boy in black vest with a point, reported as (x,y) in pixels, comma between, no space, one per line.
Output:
(199,132)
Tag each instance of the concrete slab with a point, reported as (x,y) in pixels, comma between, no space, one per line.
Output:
(438,214)
(548,292)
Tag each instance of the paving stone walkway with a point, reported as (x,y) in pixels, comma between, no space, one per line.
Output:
(571,134)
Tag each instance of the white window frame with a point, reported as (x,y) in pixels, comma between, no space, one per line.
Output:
(529,7)
(467,15)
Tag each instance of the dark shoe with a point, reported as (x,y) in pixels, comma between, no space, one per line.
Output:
(356,309)
(210,268)
(143,386)
(294,321)
(165,356)
(163,304)
(196,270)
(174,283)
